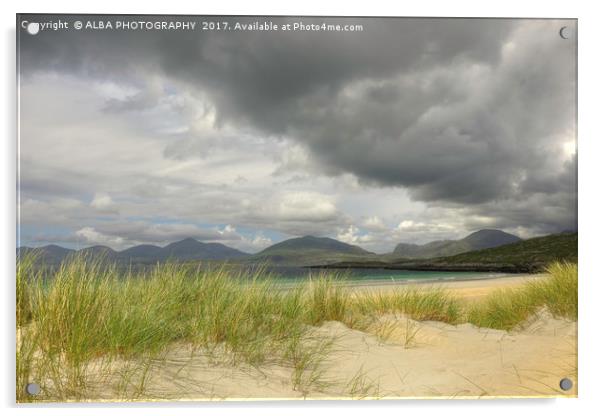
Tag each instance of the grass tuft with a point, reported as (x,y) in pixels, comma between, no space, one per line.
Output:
(430,304)
(327,300)
(508,308)
(361,386)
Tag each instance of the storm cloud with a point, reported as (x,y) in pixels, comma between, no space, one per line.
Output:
(455,124)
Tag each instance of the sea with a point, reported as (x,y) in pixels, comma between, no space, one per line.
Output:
(358,276)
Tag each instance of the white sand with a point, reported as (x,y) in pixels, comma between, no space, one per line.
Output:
(435,359)
(419,359)
(468,289)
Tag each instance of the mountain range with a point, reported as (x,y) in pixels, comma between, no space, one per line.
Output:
(301,251)
(476,241)
(184,250)
(525,256)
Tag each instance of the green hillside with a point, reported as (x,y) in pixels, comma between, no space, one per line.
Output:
(527,256)
(310,250)
(478,240)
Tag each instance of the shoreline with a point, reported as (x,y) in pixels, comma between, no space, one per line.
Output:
(466,288)
(417,266)
(463,288)
(451,281)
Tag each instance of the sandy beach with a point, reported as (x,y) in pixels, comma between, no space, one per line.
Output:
(467,289)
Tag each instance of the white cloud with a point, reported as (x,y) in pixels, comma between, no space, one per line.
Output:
(306,206)
(89,236)
(411,226)
(253,244)
(374,223)
(103,203)
(349,235)
(356,236)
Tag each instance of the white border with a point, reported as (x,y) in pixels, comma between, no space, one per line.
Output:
(590,234)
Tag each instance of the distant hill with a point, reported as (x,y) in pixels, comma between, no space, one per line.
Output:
(185,250)
(107,253)
(311,242)
(310,250)
(191,249)
(51,254)
(143,253)
(476,241)
(526,256)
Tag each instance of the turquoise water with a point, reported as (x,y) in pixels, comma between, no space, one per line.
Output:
(368,276)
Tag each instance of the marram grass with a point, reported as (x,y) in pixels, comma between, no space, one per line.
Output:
(428,304)
(508,308)
(90,315)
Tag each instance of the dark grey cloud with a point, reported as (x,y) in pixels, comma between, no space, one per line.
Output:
(465,114)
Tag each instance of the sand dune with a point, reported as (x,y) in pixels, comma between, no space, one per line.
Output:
(408,359)
(435,359)
(391,357)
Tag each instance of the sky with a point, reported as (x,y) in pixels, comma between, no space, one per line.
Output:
(411,130)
